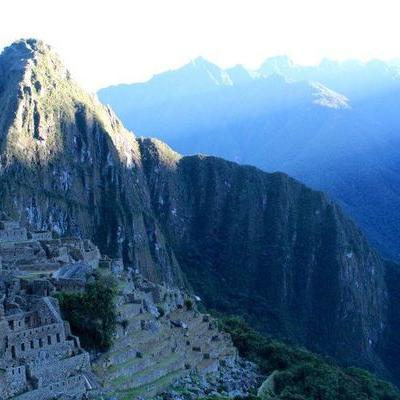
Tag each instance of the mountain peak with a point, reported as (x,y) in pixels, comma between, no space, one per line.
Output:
(30,44)
(30,65)
(212,73)
(30,57)
(25,51)
(25,48)
(40,105)
(201,62)
(276,65)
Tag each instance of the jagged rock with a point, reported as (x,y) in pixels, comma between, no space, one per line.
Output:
(179,324)
(233,381)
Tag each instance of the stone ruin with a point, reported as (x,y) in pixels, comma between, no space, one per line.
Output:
(160,338)
(39,357)
(33,253)
(10,231)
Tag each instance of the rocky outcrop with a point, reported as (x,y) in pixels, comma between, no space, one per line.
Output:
(232,381)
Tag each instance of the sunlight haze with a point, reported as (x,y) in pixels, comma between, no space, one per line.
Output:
(105,43)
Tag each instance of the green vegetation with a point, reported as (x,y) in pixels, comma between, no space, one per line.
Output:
(124,323)
(189,304)
(161,311)
(230,398)
(301,375)
(92,314)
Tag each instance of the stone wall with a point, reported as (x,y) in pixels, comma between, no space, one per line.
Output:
(38,342)
(12,381)
(42,287)
(8,225)
(22,321)
(39,358)
(34,251)
(56,370)
(13,235)
(11,231)
(40,235)
(69,285)
(67,388)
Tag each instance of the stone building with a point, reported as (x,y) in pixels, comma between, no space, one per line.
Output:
(37,251)
(11,231)
(40,235)
(72,277)
(39,357)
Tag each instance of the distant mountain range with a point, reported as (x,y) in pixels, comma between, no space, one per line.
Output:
(335,126)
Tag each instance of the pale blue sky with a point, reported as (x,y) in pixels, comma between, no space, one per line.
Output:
(105,42)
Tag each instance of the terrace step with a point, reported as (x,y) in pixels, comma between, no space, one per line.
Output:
(152,373)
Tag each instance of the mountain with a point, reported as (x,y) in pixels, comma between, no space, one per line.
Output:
(200,76)
(68,163)
(334,126)
(353,78)
(246,241)
(267,246)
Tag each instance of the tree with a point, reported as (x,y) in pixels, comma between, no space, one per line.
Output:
(92,314)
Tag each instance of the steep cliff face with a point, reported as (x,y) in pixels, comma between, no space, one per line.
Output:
(68,163)
(248,242)
(267,246)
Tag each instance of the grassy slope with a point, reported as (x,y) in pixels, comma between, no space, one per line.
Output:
(300,374)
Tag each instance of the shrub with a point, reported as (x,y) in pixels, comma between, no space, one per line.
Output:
(161,311)
(92,314)
(302,375)
(189,304)
(124,323)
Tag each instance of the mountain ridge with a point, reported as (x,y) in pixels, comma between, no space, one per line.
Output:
(202,246)
(340,137)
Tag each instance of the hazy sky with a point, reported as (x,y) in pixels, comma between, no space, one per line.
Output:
(105,42)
